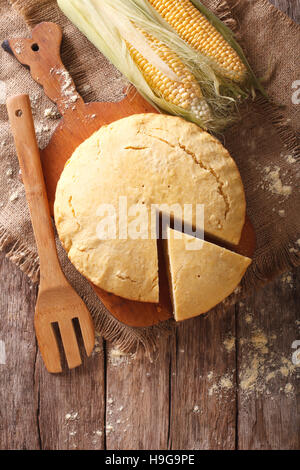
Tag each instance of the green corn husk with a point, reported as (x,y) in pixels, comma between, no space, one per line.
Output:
(108,25)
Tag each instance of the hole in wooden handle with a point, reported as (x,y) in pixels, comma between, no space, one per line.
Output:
(19,112)
(35,47)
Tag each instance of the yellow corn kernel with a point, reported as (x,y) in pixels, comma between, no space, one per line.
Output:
(195,29)
(185,93)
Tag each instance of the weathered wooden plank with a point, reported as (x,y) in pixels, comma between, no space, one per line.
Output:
(268,325)
(37,404)
(203,406)
(202,390)
(267,417)
(137,400)
(18,387)
(71,405)
(290,7)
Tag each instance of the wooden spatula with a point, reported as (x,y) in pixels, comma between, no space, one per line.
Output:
(57,301)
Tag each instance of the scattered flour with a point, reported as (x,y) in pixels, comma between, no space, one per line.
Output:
(109,428)
(229,344)
(222,386)
(14,196)
(18,48)
(287,279)
(74,98)
(226,383)
(2,92)
(270,376)
(274,182)
(2,353)
(86,87)
(289,389)
(51,113)
(293,249)
(74,415)
(290,159)
(264,369)
(34,101)
(249,375)
(260,341)
(67,86)
(41,128)
(98,347)
(210,375)
(117,357)
(237,290)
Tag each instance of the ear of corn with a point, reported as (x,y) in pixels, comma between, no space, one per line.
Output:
(157,46)
(253,83)
(182,91)
(155,69)
(195,29)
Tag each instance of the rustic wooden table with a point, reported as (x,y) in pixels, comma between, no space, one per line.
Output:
(223,382)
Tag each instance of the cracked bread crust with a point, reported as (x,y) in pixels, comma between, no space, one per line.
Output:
(150,159)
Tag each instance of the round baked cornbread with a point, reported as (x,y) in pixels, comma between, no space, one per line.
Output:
(148,159)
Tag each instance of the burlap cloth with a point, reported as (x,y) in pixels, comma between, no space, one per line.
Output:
(264,144)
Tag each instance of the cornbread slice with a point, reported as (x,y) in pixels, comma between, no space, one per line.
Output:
(144,159)
(200,276)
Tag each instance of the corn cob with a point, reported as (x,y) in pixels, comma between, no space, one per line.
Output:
(180,57)
(195,29)
(184,93)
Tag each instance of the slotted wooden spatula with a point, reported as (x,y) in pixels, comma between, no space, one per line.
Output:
(57,301)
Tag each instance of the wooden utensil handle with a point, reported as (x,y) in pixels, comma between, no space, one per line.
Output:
(41,53)
(20,116)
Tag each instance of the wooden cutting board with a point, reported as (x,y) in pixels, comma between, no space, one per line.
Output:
(41,53)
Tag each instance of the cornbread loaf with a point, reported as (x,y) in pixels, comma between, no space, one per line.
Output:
(200,276)
(144,159)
